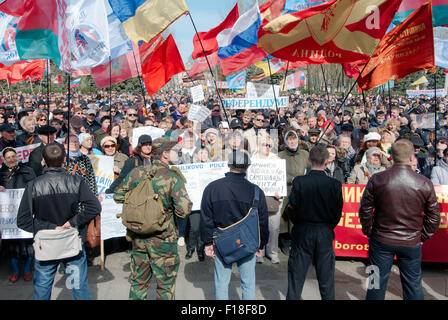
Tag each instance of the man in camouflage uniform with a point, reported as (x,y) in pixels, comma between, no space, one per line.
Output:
(157,254)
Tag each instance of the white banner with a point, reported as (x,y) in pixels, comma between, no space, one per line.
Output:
(429,93)
(103,167)
(269,175)
(219,84)
(111,226)
(261,91)
(197,93)
(282,102)
(154,132)
(9,207)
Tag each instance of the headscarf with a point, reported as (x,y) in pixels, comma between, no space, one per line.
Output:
(370,167)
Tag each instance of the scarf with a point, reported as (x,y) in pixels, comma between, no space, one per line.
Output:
(74,155)
(372,168)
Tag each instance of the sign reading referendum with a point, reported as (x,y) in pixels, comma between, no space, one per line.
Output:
(282,102)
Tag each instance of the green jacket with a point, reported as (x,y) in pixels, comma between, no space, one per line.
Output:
(169,183)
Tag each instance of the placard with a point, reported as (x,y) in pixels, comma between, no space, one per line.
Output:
(9,207)
(197,93)
(111,226)
(269,175)
(198,113)
(103,168)
(261,90)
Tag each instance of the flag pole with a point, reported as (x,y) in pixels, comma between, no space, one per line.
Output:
(140,81)
(286,74)
(364,102)
(68,122)
(326,89)
(343,101)
(209,67)
(48,92)
(435,116)
(110,91)
(390,101)
(273,90)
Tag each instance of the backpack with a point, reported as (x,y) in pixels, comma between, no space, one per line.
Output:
(143,211)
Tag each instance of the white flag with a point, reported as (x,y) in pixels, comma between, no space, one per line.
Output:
(89,33)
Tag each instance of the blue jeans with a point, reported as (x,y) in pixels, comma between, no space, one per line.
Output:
(223,273)
(409,259)
(182,226)
(75,270)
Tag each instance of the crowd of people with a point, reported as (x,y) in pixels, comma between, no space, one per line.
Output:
(357,135)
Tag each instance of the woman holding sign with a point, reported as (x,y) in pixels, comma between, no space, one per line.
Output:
(15,176)
(264,151)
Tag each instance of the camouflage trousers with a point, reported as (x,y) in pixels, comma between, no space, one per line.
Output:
(153,257)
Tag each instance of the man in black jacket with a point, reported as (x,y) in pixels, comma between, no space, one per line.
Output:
(315,208)
(54,200)
(225,202)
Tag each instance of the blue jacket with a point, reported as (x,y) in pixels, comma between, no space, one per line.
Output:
(226,201)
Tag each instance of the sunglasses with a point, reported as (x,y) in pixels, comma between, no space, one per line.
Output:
(107,146)
(217,110)
(42,119)
(259,119)
(132,115)
(266,145)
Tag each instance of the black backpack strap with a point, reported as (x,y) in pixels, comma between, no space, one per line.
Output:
(256,197)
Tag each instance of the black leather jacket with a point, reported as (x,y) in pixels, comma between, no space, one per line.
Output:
(54,199)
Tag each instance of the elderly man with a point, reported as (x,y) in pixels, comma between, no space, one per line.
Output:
(8,136)
(398,212)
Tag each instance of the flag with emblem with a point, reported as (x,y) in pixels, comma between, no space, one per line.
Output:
(338,31)
(8,49)
(408,48)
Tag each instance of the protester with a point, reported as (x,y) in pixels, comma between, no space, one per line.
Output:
(141,156)
(296,165)
(109,147)
(332,168)
(29,135)
(361,173)
(391,217)
(439,174)
(225,202)
(86,145)
(55,198)
(47,135)
(157,254)
(315,208)
(14,175)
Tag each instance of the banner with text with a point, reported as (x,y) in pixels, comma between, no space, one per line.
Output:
(282,102)
(351,242)
(429,93)
(269,175)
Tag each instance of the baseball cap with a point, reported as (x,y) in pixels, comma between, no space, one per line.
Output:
(91,111)
(236,124)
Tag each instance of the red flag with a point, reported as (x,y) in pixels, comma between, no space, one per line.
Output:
(23,70)
(201,64)
(208,39)
(408,48)
(351,70)
(271,10)
(338,31)
(164,63)
(119,69)
(146,49)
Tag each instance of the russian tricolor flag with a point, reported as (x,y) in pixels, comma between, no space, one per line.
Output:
(75,83)
(237,46)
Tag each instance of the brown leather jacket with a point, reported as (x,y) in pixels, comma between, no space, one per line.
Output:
(399,207)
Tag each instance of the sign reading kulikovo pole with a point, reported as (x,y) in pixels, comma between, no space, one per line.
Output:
(261,90)
(198,176)
(197,93)
(111,226)
(153,132)
(428,92)
(9,206)
(269,175)
(103,167)
(258,103)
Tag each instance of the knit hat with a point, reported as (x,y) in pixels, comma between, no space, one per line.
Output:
(107,138)
(372,136)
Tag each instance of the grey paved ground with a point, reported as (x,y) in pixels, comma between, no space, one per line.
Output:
(195,281)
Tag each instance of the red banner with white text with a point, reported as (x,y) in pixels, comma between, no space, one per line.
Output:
(351,242)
